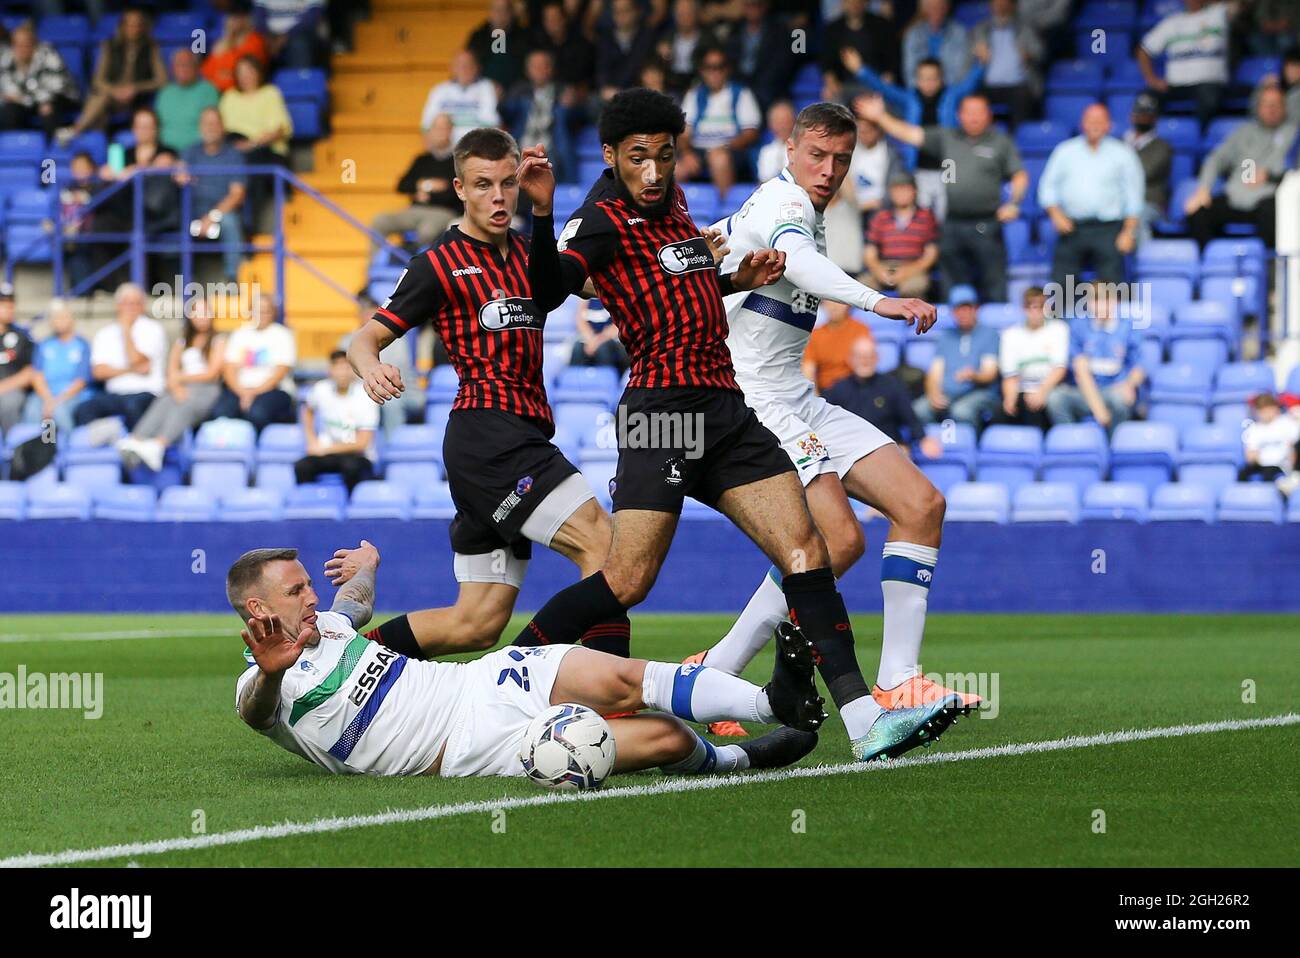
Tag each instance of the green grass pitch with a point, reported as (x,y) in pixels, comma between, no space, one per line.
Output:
(169,751)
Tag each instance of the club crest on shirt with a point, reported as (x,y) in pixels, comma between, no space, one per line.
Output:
(673,472)
(513,312)
(688,255)
(790,213)
(810,449)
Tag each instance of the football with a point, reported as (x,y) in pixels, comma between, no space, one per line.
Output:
(568,746)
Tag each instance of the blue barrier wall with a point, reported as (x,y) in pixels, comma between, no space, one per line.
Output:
(1162,567)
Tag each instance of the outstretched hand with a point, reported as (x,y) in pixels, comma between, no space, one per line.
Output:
(537,179)
(717,244)
(348,562)
(761,267)
(915,312)
(272,648)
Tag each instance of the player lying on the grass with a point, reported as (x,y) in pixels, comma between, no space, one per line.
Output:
(318,689)
(838,455)
(635,240)
(511,485)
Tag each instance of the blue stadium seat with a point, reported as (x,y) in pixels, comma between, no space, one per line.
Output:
(124,503)
(1205,319)
(1293,509)
(1015,236)
(1210,443)
(1180,415)
(1118,45)
(599,475)
(27,243)
(1000,315)
(57,501)
(1206,354)
(581,419)
(315,501)
(1107,14)
(1182,133)
(377,499)
(1250,502)
(1144,452)
(281,442)
(1124,78)
(1151,351)
(1040,137)
(1181,382)
(1218,130)
(13,500)
(1150,315)
(305,115)
(412,443)
(586,384)
(1066,106)
(1168,257)
(944,475)
(1115,500)
(443,383)
(437,413)
(93,475)
(226,440)
(1009,454)
(415,474)
(702,200)
(1240,382)
(1293,381)
(21,147)
(1212,475)
(77,450)
(1166,293)
(1181,502)
(888,356)
(30,206)
(1046,502)
(66,29)
(919,351)
(1075,76)
(275,475)
(1230,414)
(1076,453)
(978,502)
(219,476)
(307,83)
(186,504)
(250,505)
(1234,257)
(1243,295)
(958,439)
(433,501)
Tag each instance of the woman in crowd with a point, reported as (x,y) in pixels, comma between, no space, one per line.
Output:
(128,72)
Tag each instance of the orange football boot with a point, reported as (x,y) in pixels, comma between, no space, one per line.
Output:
(725,729)
(919,690)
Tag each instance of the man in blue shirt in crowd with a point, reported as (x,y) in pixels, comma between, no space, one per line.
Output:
(216,199)
(959,383)
(63,363)
(1104,367)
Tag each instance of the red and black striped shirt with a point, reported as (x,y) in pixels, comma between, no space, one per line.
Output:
(481,306)
(657,278)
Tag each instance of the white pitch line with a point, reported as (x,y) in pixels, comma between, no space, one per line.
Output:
(113,636)
(666,786)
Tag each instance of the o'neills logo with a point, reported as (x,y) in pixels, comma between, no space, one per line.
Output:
(513,313)
(685,256)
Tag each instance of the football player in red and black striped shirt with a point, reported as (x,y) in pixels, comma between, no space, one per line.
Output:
(510,484)
(635,239)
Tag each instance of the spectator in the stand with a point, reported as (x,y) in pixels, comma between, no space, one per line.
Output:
(128,358)
(397,354)
(292,30)
(470,99)
(1195,44)
(535,112)
(1252,161)
(35,85)
(654,76)
(1105,368)
(722,123)
(255,115)
(1013,51)
(427,181)
(257,366)
(682,41)
(902,242)
(825,358)
(62,364)
(622,44)
(986,158)
(1290,84)
(217,199)
(871,36)
(193,385)
(760,47)
(1033,358)
(1157,159)
(180,102)
(881,399)
(499,43)
(935,35)
(238,40)
(927,103)
(16,370)
(1269,442)
(1274,27)
(874,161)
(128,72)
(772,157)
(339,422)
(597,343)
(75,194)
(1093,189)
(574,54)
(961,381)
(161,202)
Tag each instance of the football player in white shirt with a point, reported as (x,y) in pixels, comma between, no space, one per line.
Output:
(318,689)
(838,455)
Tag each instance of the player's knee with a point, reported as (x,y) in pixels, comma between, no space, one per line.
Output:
(846,546)
(929,506)
(627,682)
(630,586)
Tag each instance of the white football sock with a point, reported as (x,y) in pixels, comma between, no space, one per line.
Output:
(905,576)
(709,759)
(701,694)
(766,609)
(859,715)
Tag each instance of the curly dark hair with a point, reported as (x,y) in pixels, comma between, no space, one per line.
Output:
(639,111)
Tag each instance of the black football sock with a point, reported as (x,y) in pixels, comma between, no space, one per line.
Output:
(817,608)
(396,634)
(613,636)
(571,612)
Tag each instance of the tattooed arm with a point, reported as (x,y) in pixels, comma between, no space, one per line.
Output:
(355,569)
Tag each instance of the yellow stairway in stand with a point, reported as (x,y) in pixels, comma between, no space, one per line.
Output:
(376,94)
